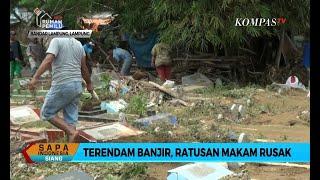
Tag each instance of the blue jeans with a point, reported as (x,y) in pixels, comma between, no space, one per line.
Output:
(126,66)
(64,97)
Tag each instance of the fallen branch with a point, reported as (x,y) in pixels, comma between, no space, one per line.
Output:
(114,68)
(54,10)
(173,94)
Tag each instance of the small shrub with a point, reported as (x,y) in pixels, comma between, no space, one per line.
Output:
(134,170)
(137,105)
(105,80)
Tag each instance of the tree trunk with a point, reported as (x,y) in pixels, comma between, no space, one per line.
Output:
(278,57)
(18,17)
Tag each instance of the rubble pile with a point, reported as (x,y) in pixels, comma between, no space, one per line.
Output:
(140,107)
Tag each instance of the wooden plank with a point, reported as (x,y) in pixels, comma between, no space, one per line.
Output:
(92,113)
(96,119)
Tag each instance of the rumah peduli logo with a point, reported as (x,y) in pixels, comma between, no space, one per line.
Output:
(260,21)
(44,20)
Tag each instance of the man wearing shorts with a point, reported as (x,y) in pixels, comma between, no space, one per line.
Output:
(67,59)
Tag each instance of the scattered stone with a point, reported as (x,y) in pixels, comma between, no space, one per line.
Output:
(249,102)
(75,175)
(233,166)
(242,175)
(241,110)
(292,122)
(42,177)
(138,75)
(157,129)
(233,107)
(243,138)
(218,82)
(22,165)
(220,116)
(196,79)
(168,84)
(122,118)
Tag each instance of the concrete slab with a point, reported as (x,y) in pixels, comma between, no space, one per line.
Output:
(196,79)
(113,131)
(23,114)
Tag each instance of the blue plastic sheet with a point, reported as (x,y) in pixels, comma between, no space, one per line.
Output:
(142,49)
(306,55)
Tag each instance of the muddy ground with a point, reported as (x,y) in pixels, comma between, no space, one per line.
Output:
(268,115)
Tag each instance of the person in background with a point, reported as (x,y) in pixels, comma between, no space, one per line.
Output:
(67,58)
(88,49)
(161,60)
(306,54)
(123,57)
(35,53)
(16,57)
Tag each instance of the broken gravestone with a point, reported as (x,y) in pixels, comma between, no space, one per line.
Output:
(204,171)
(23,114)
(218,82)
(113,131)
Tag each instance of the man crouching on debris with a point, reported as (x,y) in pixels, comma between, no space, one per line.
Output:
(161,60)
(123,57)
(67,58)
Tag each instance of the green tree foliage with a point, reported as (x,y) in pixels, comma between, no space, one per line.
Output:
(188,24)
(198,23)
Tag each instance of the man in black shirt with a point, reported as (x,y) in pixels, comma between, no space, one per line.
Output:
(16,57)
